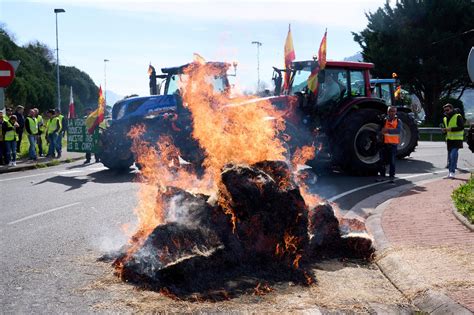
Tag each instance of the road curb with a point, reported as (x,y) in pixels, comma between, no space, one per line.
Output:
(397,271)
(462,218)
(35,165)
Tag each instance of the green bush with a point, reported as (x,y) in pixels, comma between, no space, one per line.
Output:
(464,199)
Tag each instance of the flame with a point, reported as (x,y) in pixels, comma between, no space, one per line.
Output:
(238,130)
(262,289)
(300,157)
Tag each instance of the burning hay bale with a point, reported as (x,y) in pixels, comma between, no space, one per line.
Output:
(268,213)
(258,225)
(333,235)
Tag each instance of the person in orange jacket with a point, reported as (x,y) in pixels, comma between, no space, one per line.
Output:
(391,139)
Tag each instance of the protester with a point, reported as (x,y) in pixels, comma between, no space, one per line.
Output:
(62,131)
(9,128)
(391,138)
(9,112)
(21,122)
(31,126)
(89,153)
(52,129)
(453,127)
(41,130)
(3,149)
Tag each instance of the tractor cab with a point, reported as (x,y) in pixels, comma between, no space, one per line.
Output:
(174,77)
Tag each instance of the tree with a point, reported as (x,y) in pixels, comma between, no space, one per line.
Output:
(426,42)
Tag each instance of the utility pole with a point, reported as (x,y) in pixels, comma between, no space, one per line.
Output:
(105,80)
(258,63)
(56,11)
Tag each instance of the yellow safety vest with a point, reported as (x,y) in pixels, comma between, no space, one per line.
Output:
(453,135)
(33,125)
(11,135)
(40,121)
(53,124)
(60,119)
(390,137)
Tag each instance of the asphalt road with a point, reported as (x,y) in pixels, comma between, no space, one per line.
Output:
(51,218)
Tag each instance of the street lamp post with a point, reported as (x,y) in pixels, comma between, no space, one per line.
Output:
(258,63)
(56,11)
(105,80)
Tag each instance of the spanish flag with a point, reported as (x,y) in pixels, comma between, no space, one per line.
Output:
(97,116)
(289,57)
(398,92)
(313,77)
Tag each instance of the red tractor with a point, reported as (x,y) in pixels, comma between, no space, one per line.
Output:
(343,120)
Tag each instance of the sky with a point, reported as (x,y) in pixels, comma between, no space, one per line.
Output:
(133,34)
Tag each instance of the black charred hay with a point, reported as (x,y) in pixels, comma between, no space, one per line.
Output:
(259,231)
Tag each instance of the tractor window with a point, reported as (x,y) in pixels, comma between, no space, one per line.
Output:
(357,83)
(386,95)
(217,81)
(175,81)
(300,81)
(333,88)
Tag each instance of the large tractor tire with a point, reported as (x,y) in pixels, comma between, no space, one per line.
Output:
(115,163)
(355,145)
(408,136)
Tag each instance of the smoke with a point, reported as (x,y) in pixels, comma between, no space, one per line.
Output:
(179,211)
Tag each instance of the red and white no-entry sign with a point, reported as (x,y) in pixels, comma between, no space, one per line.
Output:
(7,73)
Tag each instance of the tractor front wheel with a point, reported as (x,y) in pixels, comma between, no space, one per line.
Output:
(356,142)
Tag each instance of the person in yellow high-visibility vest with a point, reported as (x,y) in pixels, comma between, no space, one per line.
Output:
(391,139)
(9,128)
(31,127)
(52,129)
(41,130)
(453,124)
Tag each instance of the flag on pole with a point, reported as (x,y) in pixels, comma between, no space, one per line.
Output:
(398,90)
(289,57)
(97,116)
(151,69)
(72,110)
(313,77)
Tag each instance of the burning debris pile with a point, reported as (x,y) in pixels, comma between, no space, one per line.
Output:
(256,227)
(246,223)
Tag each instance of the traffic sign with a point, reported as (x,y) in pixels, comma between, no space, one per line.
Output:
(7,73)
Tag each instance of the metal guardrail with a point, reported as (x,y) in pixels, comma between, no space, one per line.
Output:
(433,131)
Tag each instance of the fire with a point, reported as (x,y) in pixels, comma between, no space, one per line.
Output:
(262,289)
(240,130)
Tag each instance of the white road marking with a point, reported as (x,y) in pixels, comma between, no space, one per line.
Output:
(334,198)
(21,177)
(55,172)
(42,213)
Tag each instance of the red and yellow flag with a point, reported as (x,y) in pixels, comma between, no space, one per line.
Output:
(289,57)
(97,116)
(313,77)
(398,92)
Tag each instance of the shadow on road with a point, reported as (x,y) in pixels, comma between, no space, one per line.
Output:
(414,166)
(101,177)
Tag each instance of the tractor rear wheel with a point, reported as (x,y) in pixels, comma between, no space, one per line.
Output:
(355,145)
(408,136)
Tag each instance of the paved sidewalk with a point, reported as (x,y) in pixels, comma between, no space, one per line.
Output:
(25,164)
(427,249)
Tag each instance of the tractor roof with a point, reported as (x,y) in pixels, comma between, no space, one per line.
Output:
(334,64)
(212,64)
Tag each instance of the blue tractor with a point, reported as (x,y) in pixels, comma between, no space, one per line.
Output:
(160,114)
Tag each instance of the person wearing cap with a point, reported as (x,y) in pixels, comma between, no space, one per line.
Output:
(9,128)
(31,126)
(19,110)
(453,127)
